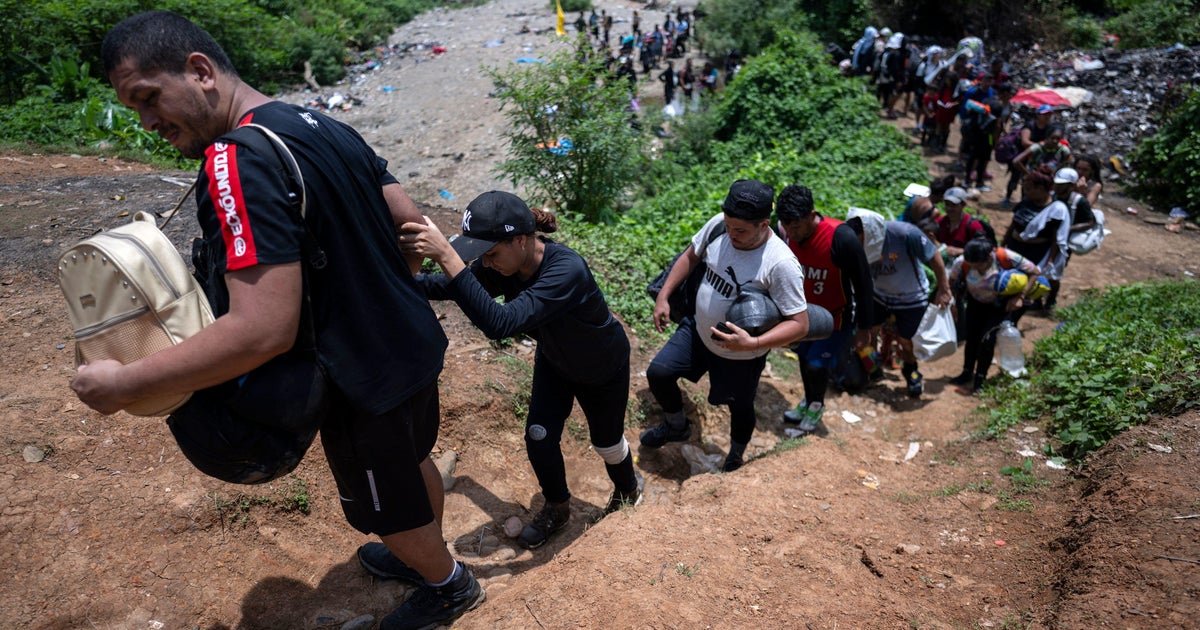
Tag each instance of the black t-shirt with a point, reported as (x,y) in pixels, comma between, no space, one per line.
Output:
(1023,213)
(560,306)
(376,335)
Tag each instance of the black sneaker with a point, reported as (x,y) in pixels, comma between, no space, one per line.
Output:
(962,379)
(620,499)
(915,383)
(660,434)
(732,463)
(379,561)
(551,518)
(433,606)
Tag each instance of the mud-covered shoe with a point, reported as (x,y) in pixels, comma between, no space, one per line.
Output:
(811,424)
(796,416)
(551,518)
(660,434)
(915,383)
(621,499)
(732,463)
(433,606)
(379,562)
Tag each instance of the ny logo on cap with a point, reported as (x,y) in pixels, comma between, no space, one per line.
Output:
(466,222)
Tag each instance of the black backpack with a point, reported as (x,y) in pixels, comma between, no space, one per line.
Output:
(683,300)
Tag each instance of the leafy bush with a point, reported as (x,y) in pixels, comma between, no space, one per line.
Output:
(1158,23)
(570,139)
(1122,355)
(1168,163)
(752,27)
(569,6)
(267,40)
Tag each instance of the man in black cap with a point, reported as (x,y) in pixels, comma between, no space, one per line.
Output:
(747,255)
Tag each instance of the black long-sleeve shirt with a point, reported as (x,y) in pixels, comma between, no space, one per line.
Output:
(560,306)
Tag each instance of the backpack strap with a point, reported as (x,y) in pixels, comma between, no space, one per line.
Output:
(264,142)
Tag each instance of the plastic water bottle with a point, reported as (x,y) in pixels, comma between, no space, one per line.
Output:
(1008,347)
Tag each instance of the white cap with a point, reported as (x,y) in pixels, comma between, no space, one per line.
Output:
(895,41)
(1066,176)
(955,195)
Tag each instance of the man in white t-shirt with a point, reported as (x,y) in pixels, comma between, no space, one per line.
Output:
(748,255)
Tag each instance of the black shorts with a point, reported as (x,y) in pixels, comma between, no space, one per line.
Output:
(376,459)
(730,380)
(908,320)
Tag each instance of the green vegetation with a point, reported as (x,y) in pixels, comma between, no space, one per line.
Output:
(570,139)
(569,6)
(1150,23)
(521,373)
(788,118)
(1122,355)
(752,27)
(288,495)
(52,93)
(1168,163)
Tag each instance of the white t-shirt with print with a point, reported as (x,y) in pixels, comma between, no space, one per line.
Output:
(771,268)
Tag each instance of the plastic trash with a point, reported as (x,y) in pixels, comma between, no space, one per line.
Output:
(851,417)
(1178,213)
(387,88)
(446,194)
(1008,347)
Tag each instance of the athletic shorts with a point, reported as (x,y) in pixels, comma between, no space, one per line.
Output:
(730,380)
(908,320)
(376,459)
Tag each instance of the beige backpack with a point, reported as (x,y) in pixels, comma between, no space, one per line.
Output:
(130,294)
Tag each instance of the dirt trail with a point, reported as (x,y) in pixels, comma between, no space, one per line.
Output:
(103,524)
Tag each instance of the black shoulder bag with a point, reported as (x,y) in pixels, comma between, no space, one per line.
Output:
(683,300)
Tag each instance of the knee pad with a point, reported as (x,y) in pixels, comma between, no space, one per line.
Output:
(614,454)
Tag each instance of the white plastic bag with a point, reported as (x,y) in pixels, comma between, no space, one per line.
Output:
(1088,240)
(936,337)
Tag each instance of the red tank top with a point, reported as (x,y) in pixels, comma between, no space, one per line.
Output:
(823,283)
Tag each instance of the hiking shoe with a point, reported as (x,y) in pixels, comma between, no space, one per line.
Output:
(379,562)
(620,499)
(915,383)
(796,416)
(660,434)
(433,606)
(961,379)
(812,425)
(974,388)
(551,518)
(985,188)
(732,463)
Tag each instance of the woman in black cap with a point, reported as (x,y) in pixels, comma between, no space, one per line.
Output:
(550,295)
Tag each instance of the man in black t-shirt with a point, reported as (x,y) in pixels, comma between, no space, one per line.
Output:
(376,337)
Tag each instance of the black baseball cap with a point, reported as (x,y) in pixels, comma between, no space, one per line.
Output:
(749,199)
(490,218)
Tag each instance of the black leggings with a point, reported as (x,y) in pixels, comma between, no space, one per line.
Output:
(982,322)
(550,404)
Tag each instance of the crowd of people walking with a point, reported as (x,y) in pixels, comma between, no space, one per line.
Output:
(381,348)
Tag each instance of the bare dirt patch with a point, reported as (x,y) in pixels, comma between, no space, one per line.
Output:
(103,524)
